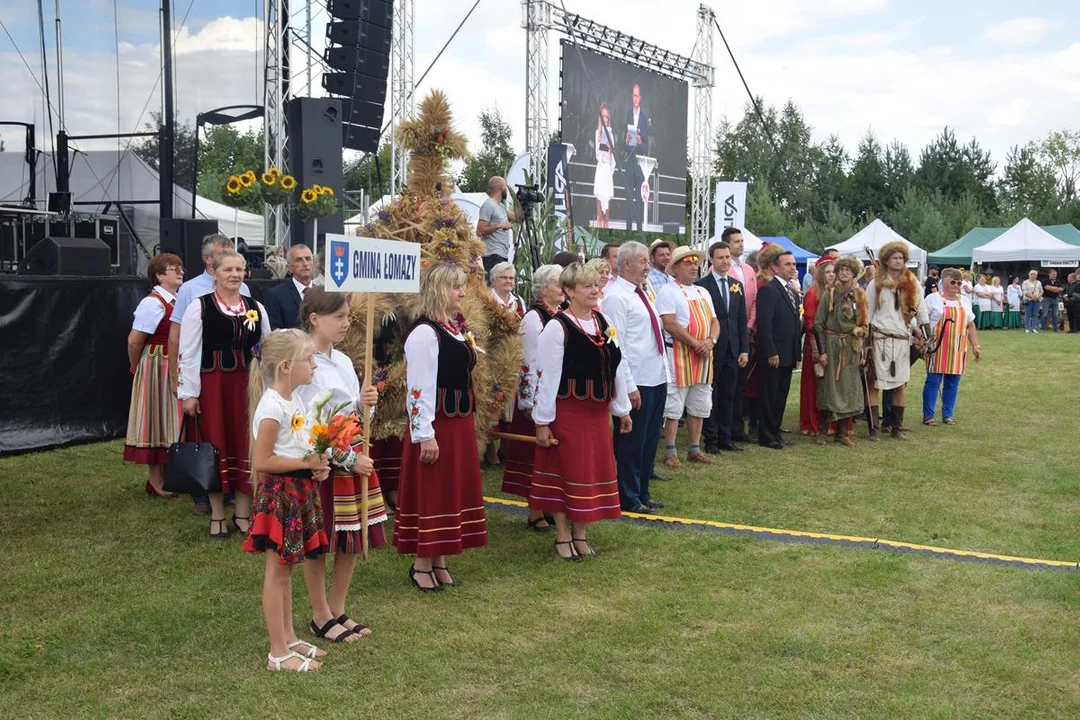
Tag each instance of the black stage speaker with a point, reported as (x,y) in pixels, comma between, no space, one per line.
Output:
(68,256)
(183,237)
(358,52)
(315,158)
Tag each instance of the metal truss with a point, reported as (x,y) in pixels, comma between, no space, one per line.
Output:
(536,19)
(402,98)
(275,119)
(700,170)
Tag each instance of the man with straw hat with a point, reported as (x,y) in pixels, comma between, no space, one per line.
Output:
(690,334)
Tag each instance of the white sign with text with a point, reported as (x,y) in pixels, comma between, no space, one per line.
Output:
(360,264)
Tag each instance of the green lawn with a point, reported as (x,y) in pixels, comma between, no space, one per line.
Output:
(112,605)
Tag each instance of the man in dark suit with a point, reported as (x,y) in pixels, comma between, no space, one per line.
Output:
(282,301)
(778,332)
(636,137)
(730,353)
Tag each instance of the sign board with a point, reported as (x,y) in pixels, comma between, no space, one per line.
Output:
(730,206)
(360,264)
(1058,264)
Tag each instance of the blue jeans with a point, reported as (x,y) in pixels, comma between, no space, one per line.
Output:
(1050,308)
(635,452)
(1031,316)
(948,394)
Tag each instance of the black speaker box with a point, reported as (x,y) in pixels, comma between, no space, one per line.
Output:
(183,237)
(360,87)
(358,32)
(315,142)
(352,59)
(87,257)
(378,12)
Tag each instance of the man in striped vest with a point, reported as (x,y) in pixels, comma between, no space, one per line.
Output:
(690,333)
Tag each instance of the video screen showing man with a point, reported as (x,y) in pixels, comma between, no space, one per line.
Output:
(637,143)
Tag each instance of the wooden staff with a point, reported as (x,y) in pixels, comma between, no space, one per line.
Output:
(365,430)
(518,438)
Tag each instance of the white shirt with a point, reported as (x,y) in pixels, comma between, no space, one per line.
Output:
(997,298)
(512,302)
(550,350)
(674,299)
(421,374)
(149,311)
(1015,296)
(334,373)
(984,303)
(529,331)
(936,303)
(624,309)
(195,288)
(190,358)
(300,287)
(289,443)
(885,317)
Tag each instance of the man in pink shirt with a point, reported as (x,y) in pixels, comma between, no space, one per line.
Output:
(745,276)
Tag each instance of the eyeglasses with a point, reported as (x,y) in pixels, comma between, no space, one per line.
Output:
(952,282)
(689,261)
(178,269)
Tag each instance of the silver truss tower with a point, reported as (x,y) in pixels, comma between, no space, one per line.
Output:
(536,19)
(700,172)
(275,101)
(402,99)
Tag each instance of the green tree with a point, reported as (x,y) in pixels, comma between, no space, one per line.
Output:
(952,169)
(370,173)
(225,151)
(149,148)
(495,157)
(1027,187)
(899,172)
(1061,150)
(867,185)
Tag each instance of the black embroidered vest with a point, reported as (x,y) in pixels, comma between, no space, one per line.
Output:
(542,311)
(453,385)
(226,341)
(588,371)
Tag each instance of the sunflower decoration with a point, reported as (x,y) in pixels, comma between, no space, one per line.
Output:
(297,423)
(250,318)
(248,178)
(274,189)
(238,190)
(315,202)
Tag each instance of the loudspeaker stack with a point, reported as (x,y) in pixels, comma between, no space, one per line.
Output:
(358,50)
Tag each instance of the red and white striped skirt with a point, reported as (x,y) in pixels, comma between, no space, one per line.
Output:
(153,415)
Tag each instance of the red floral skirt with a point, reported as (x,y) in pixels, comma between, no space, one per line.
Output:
(340,497)
(386,455)
(577,476)
(223,421)
(287,519)
(518,457)
(441,505)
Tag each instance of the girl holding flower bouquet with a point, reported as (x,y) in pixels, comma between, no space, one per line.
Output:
(325,315)
(287,525)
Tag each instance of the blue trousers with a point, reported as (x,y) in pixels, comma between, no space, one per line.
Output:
(1031,316)
(635,452)
(948,394)
(1050,309)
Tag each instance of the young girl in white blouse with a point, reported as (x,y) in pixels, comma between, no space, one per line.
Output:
(325,316)
(287,522)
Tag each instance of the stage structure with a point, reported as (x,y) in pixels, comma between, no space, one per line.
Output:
(541,16)
(402,99)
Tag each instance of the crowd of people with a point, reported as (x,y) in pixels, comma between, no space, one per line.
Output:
(618,353)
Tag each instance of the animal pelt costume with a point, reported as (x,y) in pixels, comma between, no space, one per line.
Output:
(862,300)
(907,287)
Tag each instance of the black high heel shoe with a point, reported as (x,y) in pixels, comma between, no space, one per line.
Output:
(412,576)
(223,529)
(452,584)
(243,531)
(589,552)
(574,556)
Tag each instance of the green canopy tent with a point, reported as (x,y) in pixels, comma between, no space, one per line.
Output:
(959,253)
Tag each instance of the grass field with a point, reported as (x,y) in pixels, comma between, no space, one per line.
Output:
(112,605)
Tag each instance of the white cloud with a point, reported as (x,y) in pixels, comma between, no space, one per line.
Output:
(1017,32)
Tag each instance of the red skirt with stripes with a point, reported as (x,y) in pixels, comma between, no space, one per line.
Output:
(386,455)
(577,476)
(441,505)
(223,421)
(518,457)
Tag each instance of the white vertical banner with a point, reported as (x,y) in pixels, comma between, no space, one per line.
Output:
(730,206)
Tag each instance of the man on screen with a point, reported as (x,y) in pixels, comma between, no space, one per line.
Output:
(637,143)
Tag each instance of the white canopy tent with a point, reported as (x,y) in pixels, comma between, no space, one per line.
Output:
(1025,242)
(875,235)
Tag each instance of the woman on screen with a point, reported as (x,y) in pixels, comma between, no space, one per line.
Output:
(604,178)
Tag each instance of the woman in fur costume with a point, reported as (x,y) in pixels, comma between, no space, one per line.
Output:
(840,325)
(895,299)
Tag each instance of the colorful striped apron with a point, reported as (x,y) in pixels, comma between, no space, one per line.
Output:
(691,368)
(951,355)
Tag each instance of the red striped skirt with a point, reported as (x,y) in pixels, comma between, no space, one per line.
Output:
(287,519)
(386,455)
(518,457)
(441,505)
(153,423)
(341,498)
(223,421)
(577,476)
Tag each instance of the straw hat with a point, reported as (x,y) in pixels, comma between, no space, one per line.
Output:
(681,253)
(660,242)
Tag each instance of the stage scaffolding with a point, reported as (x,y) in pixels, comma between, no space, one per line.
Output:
(541,16)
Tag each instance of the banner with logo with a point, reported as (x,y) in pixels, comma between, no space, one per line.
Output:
(558,182)
(360,264)
(730,206)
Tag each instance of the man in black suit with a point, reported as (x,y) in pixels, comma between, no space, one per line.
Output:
(730,353)
(636,137)
(778,332)
(282,301)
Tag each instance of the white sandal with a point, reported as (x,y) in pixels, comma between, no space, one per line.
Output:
(304,666)
(311,654)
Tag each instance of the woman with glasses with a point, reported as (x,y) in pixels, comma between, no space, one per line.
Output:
(152,417)
(953,323)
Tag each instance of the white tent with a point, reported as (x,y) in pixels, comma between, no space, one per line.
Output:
(1025,241)
(875,235)
(102,177)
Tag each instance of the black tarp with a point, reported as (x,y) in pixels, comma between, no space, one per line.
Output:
(64,375)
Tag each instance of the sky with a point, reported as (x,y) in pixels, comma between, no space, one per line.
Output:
(1003,72)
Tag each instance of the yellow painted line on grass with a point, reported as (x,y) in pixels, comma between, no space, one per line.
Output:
(827,536)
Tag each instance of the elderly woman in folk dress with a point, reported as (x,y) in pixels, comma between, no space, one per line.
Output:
(953,324)
(603,267)
(840,324)
(502,278)
(518,466)
(583,380)
(154,412)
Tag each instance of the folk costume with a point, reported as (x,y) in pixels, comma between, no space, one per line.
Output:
(286,512)
(440,505)
(153,416)
(840,324)
(808,381)
(340,494)
(690,374)
(520,456)
(583,380)
(216,346)
(386,453)
(945,367)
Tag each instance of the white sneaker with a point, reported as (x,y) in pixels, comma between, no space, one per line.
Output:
(1035,331)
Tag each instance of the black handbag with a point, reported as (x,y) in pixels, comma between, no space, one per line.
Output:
(193,466)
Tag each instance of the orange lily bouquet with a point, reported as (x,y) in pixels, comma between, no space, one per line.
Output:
(333,431)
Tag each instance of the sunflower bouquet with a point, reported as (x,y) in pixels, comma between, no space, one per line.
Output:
(239,190)
(317,201)
(276,188)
